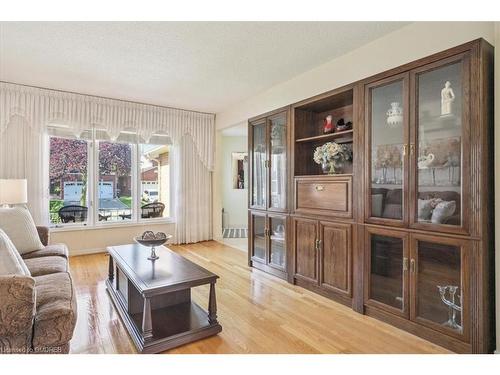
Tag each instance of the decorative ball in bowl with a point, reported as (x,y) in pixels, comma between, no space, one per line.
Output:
(152,240)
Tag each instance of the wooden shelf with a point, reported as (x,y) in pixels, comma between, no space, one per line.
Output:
(325,136)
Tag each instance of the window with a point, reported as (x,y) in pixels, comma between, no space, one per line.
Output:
(154,181)
(128,179)
(68,167)
(115,198)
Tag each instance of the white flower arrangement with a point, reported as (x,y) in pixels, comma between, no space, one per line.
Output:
(332,152)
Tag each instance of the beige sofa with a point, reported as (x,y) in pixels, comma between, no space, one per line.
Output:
(38,312)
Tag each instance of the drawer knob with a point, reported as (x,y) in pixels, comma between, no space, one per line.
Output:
(319,187)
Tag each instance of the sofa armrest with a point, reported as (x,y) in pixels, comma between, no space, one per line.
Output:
(17,305)
(43,233)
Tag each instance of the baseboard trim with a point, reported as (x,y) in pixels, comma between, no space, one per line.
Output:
(86,251)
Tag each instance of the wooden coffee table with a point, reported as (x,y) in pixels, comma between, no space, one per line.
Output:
(153,298)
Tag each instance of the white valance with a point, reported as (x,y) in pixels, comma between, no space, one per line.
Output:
(40,108)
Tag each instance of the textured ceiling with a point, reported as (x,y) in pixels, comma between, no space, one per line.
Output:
(206,66)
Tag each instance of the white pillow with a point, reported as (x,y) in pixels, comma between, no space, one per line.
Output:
(425,208)
(443,211)
(18,224)
(11,262)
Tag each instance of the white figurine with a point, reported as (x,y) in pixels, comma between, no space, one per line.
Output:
(447,98)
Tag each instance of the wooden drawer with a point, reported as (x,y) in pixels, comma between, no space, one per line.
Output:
(329,195)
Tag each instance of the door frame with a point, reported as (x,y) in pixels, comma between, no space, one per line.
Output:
(405,79)
(465,274)
(251,166)
(251,228)
(403,235)
(269,162)
(271,216)
(295,220)
(348,228)
(465,59)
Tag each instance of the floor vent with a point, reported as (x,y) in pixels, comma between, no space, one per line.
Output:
(235,233)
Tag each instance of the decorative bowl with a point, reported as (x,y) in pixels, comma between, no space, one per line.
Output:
(152,243)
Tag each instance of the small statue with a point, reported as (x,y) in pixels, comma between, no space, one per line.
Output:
(447,98)
(327,124)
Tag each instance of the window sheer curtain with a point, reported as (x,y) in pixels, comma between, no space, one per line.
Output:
(27,112)
(192,201)
(22,155)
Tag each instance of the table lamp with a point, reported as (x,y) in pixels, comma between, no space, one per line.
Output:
(13,192)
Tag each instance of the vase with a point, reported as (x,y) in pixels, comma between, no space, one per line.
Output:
(394,115)
(333,167)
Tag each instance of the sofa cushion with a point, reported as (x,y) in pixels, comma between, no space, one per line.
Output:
(425,207)
(377,204)
(46,265)
(58,249)
(393,211)
(20,227)
(56,310)
(443,211)
(11,262)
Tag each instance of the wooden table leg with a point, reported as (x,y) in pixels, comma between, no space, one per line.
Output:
(111,272)
(147,324)
(212,305)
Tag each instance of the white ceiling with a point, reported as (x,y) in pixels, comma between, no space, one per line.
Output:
(206,66)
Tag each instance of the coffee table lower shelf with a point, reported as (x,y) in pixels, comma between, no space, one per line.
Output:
(173,326)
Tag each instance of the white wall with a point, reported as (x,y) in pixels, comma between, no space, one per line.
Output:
(409,43)
(234,201)
(95,240)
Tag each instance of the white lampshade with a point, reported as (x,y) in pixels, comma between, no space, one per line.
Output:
(13,191)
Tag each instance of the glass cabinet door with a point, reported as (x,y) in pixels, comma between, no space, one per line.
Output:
(259,237)
(440,284)
(388,286)
(259,164)
(440,143)
(277,158)
(277,241)
(387,117)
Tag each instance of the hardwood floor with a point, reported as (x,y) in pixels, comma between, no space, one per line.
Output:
(258,313)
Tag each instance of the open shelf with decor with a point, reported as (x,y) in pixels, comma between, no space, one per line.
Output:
(327,119)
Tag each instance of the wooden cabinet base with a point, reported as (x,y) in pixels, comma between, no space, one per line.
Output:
(322,291)
(421,331)
(266,268)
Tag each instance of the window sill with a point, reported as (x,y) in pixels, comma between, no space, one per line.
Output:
(110,225)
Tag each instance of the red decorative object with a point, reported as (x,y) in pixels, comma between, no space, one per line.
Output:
(327,124)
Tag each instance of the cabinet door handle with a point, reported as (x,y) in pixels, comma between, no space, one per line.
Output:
(412,265)
(405,264)
(316,244)
(412,148)
(319,187)
(319,245)
(405,146)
